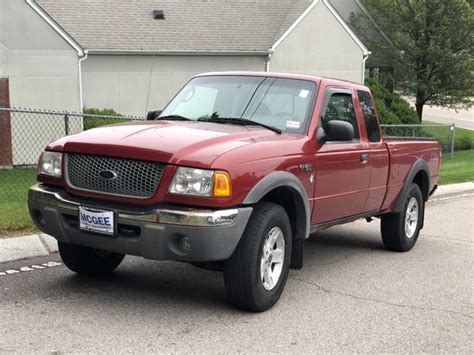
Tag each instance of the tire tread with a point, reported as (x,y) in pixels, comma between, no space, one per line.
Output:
(238,269)
(392,225)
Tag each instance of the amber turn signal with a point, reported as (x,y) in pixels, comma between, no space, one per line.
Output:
(221,184)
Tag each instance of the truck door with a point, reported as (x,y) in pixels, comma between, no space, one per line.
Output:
(342,173)
(378,158)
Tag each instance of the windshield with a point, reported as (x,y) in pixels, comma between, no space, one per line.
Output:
(281,103)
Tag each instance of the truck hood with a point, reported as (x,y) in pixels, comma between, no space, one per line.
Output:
(182,143)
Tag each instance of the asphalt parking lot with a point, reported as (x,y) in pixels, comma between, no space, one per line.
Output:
(351,296)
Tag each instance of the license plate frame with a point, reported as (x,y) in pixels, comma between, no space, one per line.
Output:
(97,220)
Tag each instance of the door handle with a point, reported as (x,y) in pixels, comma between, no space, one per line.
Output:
(364,157)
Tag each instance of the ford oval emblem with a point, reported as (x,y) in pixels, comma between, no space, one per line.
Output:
(108,175)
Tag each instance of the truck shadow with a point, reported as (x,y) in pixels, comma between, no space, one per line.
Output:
(338,246)
(337,238)
(156,286)
(148,284)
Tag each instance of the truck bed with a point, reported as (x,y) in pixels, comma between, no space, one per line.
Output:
(403,153)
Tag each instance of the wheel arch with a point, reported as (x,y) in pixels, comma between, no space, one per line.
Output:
(286,190)
(419,174)
(278,187)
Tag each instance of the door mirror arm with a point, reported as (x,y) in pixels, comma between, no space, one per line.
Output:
(321,135)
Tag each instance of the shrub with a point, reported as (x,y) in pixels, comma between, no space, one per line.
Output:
(92,121)
(402,109)
(385,114)
(101,112)
(391,107)
(379,91)
(464,143)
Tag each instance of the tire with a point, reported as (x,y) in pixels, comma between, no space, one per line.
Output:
(246,288)
(88,261)
(396,235)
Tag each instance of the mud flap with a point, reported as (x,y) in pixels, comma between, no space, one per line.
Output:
(297,254)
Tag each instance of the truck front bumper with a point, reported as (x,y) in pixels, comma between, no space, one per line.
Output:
(209,235)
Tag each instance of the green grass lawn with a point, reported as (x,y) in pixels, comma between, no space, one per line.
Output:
(443,132)
(14,186)
(461,167)
(458,169)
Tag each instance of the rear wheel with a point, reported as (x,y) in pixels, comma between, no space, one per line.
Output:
(256,273)
(400,230)
(88,261)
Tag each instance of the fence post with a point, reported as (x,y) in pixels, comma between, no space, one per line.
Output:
(453,131)
(66,124)
(6,142)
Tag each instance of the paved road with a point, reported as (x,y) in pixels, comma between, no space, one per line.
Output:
(462,118)
(351,296)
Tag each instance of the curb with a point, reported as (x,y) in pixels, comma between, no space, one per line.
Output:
(463,187)
(27,246)
(43,244)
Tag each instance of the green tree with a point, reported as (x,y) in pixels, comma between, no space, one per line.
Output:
(431,48)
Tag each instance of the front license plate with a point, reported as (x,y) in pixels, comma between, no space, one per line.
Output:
(95,220)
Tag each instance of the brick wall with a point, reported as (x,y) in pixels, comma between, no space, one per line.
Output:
(5,126)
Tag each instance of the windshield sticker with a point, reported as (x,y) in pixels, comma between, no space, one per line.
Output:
(293,124)
(304,93)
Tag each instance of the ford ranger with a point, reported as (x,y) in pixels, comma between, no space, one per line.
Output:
(234,174)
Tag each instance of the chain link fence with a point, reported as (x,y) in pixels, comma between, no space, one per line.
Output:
(444,134)
(25,133)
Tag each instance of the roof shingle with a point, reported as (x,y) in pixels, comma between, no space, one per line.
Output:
(191,25)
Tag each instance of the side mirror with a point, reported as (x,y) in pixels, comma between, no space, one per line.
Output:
(153,115)
(335,130)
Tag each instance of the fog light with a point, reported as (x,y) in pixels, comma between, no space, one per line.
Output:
(38,216)
(185,244)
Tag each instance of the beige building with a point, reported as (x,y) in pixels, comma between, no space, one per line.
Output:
(133,56)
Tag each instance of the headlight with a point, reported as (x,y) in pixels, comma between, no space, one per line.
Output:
(51,164)
(200,182)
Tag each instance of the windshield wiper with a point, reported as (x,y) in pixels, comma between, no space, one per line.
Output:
(174,118)
(241,121)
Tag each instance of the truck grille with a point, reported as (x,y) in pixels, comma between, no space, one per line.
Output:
(118,176)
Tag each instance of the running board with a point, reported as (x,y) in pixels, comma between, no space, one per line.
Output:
(321,226)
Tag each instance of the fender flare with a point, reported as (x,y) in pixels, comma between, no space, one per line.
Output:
(285,179)
(419,165)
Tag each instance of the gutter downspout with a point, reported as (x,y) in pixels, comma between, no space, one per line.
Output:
(267,62)
(365,57)
(79,67)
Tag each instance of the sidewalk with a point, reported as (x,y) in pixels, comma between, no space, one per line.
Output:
(42,244)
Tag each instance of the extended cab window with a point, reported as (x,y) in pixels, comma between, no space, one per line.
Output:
(370,117)
(340,107)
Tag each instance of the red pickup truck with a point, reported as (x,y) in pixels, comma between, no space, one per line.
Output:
(234,174)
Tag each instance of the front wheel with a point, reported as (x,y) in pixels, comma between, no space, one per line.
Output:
(88,261)
(256,273)
(400,230)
